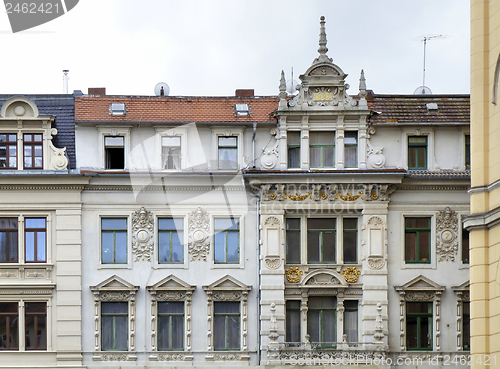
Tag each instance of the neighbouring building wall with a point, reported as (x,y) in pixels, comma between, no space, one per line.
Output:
(485,191)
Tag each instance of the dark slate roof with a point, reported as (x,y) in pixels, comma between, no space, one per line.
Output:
(63,108)
(412,109)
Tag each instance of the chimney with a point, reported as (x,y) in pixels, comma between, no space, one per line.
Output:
(96,91)
(244,93)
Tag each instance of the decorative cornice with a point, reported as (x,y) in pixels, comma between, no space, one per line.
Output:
(41,187)
(113,188)
(432,188)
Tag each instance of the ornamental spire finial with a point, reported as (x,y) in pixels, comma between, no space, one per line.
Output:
(322,44)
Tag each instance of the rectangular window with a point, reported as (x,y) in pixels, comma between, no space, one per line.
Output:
(350,240)
(419,325)
(417,152)
(466,325)
(115,152)
(293,321)
(35,237)
(36,325)
(114,326)
(226,325)
(465,246)
(321,319)
(170,240)
(9,326)
(351,149)
(351,320)
(418,240)
(8,151)
(228,152)
(8,240)
(227,240)
(114,240)
(293,142)
(171,152)
(321,240)
(322,149)
(170,326)
(33,151)
(293,241)
(467,152)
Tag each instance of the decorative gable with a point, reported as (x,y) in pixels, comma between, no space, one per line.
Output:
(227,283)
(420,283)
(114,283)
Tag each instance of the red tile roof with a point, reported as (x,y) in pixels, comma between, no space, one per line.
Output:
(174,109)
(411,109)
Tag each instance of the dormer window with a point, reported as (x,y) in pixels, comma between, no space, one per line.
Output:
(115,152)
(242,109)
(117,109)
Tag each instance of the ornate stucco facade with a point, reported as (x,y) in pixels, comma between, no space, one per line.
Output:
(485,192)
(318,227)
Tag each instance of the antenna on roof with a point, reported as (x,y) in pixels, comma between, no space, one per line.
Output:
(292,85)
(65,81)
(424,89)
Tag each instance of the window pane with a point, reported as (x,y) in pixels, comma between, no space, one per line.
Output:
(293,321)
(114,223)
(351,320)
(38,150)
(107,247)
(170,223)
(113,141)
(40,246)
(410,252)
(30,246)
(225,223)
(294,157)
(177,249)
(227,141)
(220,247)
(171,141)
(293,241)
(114,308)
(28,161)
(35,325)
(315,157)
(227,158)
(328,157)
(120,247)
(9,326)
(233,247)
(322,138)
(35,223)
(465,246)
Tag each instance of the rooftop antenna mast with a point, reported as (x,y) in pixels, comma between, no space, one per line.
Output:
(424,39)
(65,81)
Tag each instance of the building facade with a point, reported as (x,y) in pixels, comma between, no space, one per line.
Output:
(313,228)
(484,192)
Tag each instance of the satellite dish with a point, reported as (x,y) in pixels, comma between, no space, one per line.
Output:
(423,90)
(292,86)
(162,89)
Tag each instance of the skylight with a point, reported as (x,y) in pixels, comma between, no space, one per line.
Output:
(242,109)
(117,109)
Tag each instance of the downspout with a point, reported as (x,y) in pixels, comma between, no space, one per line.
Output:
(253,143)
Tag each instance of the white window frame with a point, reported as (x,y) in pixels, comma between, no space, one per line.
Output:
(172,132)
(339,241)
(172,289)
(114,289)
(463,295)
(123,130)
(219,291)
(241,240)
(217,132)
(185,263)
(128,264)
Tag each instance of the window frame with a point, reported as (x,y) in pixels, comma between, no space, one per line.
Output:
(339,238)
(171,232)
(294,146)
(353,308)
(349,145)
(218,131)
(467,152)
(322,147)
(413,152)
(170,315)
(8,236)
(417,231)
(127,248)
(227,148)
(322,327)
(8,144)
(114,316)
(227,316)
(321,244)
(33,156)
(35,316)
(35,238)
(430,323)
(178,147)
(8,315)
(288,320)
(464,236)
(226,232)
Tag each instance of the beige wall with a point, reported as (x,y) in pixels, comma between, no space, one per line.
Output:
(485,195)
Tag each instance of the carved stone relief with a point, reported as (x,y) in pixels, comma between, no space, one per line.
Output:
(272,221)
(375,158)
(272,262)
(199,234)
(446,235)
(375,263)
(142,234)
(269,158)
(351,274)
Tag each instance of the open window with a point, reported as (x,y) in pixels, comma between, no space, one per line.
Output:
(114,148)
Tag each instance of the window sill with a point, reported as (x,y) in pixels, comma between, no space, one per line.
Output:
(114,356)
(115,266)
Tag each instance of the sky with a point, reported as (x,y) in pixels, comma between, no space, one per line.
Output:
(213,47)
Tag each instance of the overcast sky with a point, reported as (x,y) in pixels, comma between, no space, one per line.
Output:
(212,47)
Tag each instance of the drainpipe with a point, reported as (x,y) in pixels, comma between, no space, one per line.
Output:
(253,143)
